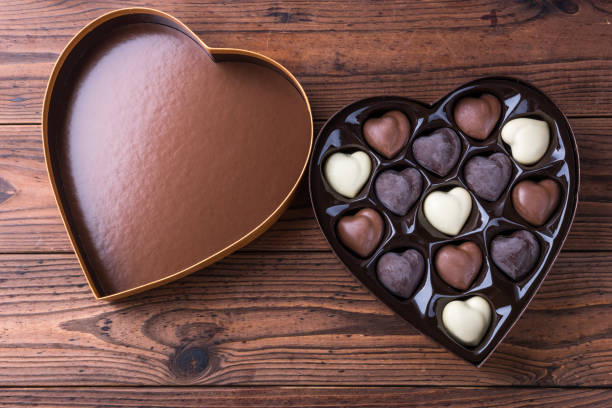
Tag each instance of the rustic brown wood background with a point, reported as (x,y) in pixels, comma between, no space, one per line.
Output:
(282,322)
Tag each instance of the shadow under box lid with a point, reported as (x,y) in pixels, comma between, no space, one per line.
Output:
(164,154)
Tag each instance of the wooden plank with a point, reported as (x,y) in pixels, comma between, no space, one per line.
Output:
(162,397)
(343,51)
(284,310)
(29,220)
(304,16)
(282,319)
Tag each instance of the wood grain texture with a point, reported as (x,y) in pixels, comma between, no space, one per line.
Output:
(284,311)
(343,51)
(282,318)
(30,222)
(299,397)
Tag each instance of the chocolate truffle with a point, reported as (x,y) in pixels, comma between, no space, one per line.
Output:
(438,152)
(467,321)
(387,134)
(528,139)
(448,211)
(477,117)
(401,273)
(347,173)
(399,190)
(459,265)
(536,202)
(515,255)
(361,232)
(488,177)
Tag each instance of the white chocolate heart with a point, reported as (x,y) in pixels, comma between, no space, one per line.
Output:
(528,138)
(448,211)
(467,321)
(347,173)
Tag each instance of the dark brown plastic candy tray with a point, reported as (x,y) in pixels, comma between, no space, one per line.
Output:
(343,132)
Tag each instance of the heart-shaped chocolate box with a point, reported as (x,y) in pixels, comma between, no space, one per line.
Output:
(164,154)
(508,298)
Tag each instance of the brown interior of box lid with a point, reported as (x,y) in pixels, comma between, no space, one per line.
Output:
(163,156)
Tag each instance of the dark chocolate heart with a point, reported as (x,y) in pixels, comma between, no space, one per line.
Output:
(488,177)
(401,273)
(438,152)
(361,232)
(458,265)
(399,190)
(516,254)
(477,117)
(509,292)
(387,134)
(535,202)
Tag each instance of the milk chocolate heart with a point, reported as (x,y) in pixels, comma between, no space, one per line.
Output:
(438,152)
(399,190)
(488,177)
(401,273)
(535,202)
(477,117)
(387,134)
(440,302)
(361,232)
(515,255)
(459,265)
(158,152)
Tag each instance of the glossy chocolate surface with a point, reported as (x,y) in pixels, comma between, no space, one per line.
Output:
(165,157)
(487,219)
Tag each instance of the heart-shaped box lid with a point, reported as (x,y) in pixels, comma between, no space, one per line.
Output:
(165,155)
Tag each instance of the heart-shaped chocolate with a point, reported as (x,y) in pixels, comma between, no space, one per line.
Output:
(528,139)
(458,265)
(361,232)
(477,117)
(347,173)
(535,202)
(158,153)
(488,177)
(401,273)
(387,134)
(399,190)
(510,271)
(448,211)
(438,152)
(467,321)
(516,254)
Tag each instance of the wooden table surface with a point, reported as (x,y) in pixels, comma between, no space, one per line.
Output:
(282,322)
